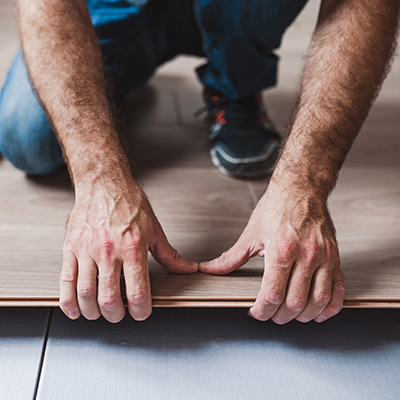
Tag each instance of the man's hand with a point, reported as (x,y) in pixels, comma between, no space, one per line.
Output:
(302,277)
(291,226)
(111,230)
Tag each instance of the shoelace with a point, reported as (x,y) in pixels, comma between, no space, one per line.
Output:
(221,109)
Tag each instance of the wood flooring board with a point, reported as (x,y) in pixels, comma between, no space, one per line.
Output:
(203,214)
(149,106)
(193,354)
(170,146)
(22,334)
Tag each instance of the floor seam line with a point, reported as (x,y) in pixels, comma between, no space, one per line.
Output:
(43,353)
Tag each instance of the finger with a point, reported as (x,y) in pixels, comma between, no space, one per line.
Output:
(297,291)
(137,282)
(68,277)
(320,294)
(230,260)
(273,286)
(109,290)
(338,291)
(87,289)
(168,257)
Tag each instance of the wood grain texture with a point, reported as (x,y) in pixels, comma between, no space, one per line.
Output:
(202,213)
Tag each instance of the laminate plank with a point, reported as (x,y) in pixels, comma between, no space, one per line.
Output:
(170,147)
(149,106)
(22,333)
(193,354)
(203,213)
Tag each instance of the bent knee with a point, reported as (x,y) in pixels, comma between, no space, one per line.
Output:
(30,147)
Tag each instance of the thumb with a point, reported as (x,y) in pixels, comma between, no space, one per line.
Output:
(167,256)
(228,261)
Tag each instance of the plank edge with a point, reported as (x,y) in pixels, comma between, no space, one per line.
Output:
(192,303)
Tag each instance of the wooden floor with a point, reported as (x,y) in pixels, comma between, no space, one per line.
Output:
(194,353)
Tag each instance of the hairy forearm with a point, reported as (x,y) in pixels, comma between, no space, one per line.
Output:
(348,58)
(65,65)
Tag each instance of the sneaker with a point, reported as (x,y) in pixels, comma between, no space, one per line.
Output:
(244,142)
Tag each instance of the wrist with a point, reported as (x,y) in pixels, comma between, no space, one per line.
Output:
(303,179)
(293,191)
(98,164)
(111,179)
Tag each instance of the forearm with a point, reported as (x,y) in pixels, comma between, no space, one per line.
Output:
(347,61)
(64,62)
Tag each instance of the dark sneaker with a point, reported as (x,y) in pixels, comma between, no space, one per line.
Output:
(244,143)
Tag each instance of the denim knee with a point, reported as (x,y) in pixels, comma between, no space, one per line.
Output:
(26,137)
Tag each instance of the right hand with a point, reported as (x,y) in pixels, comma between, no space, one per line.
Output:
(108,231)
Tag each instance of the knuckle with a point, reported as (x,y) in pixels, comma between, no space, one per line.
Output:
(134,244)
(322,298)
(67,277)
(243,253)
(274,297)
(86,291)
(311,250)
(108,301)
(339,287)
(286,250)
(224,257)
(331,251)
(174,255)
(137,297)
(107,248)
(296,305)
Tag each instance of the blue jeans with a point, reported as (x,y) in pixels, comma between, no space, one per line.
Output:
(136,36)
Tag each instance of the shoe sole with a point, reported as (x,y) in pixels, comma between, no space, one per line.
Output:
(240,168)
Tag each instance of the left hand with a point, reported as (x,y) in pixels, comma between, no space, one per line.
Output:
(292,229)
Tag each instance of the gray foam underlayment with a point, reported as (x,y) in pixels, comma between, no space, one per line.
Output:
(22,331)
(200,354)
(223,354)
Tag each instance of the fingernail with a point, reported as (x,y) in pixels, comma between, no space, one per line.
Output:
(194,264)
(206,263)
(74,314)
(249,312)
(321,318)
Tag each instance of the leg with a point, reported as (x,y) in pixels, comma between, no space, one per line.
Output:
(132,44)
(26,137)
(239,39)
